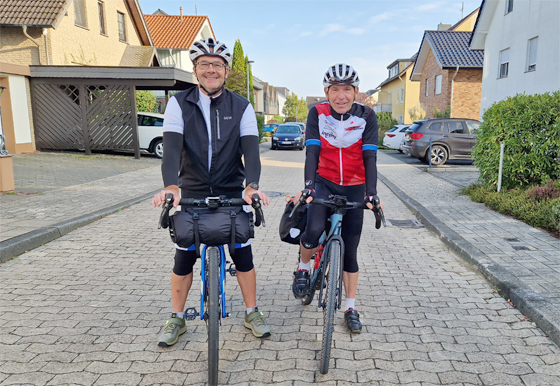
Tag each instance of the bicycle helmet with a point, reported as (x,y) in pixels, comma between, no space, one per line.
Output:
(341,73)
(210,47)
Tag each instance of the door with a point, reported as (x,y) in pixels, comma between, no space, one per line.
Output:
(459,139)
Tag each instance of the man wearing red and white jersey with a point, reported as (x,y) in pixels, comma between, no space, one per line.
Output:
(341,159)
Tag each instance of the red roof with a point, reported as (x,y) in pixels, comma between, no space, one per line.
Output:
(176,32)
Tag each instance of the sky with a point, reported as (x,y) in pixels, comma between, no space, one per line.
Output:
(293,43)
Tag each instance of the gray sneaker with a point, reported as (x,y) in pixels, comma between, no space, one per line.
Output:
(257,323)
(174,327)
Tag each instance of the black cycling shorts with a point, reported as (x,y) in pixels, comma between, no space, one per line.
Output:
(184,260)
(352,221)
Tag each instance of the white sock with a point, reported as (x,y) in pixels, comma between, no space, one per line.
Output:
(350,303)
(180,315)
(304,267)
(249,310)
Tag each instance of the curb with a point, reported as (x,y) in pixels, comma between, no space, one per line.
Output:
(530,303)
(19,244)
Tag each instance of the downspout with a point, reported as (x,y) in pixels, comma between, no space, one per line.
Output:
(45,31)
(452,79)
(33,40)
(403,100)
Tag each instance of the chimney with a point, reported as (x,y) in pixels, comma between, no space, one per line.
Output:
(443,27)
(181,9)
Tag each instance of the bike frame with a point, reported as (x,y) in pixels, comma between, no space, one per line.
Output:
(204,281)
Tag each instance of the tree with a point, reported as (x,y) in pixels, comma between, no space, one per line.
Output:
(251,93)
(293,105)
(236,82)
(417,112)
(146,101)
(238,62)
(385,121)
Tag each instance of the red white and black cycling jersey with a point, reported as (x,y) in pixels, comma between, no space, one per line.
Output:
(342,148)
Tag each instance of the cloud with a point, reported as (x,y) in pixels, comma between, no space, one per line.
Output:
(379,18)
(331,28)
(356,31)
(427,7)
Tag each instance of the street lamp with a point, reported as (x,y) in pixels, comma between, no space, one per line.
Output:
(248,62)
(3,151)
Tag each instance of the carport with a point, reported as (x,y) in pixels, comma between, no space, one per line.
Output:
(94,108)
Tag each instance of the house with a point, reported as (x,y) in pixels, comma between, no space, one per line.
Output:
(521,43)
(398,94)
(448,72)
(71,68)
(283,94)
(270,101)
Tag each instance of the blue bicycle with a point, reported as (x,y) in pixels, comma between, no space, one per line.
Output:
(326,271)
(213,274)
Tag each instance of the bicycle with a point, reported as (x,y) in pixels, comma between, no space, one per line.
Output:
(213,274)
(326,272)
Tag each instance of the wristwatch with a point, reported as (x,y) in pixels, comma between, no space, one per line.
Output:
(253,185)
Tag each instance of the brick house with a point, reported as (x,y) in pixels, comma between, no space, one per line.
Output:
(71,69)
(450,74)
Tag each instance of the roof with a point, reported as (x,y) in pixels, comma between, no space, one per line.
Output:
(451,50)
(178,32)
(389,80)
(452,28)
(138,56)
(482,24)
(33,13)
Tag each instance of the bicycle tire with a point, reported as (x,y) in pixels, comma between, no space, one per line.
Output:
(214,311)
(332,278)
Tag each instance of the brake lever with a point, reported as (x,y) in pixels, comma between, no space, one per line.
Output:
(378,213)
(305,193)
(258,211)
(166,207)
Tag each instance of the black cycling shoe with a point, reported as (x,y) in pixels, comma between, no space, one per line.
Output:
(353,321)
(300,286)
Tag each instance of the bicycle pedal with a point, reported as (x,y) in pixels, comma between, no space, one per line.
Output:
(232,271)
(191,314)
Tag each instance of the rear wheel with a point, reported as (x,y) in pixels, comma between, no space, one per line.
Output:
(439,155)
(332,278)
(213,310)
(158,148)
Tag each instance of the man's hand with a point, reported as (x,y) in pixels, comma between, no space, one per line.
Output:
(160,197)
(369,204)
(248,196)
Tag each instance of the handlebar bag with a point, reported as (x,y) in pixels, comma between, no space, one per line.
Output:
(291,228)
(215,226)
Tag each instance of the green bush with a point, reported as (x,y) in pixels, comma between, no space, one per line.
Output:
(384,122)
(260,125)
(515,202)
(146,101)
(529,126)
(442,114)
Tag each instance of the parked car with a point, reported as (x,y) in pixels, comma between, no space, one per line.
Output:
(150,133)
(288,136)
(394,136)
(301,124)
(452,138)
(269,128)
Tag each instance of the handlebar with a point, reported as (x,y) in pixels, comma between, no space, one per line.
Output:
(340,202)
(212,203)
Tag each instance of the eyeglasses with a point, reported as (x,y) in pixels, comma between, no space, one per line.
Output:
(217,66)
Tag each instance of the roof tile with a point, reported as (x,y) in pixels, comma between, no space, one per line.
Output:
(39,13)
(169,31)
(452,49)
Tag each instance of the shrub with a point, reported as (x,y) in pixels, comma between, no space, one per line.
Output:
(555,214)
(146,101)
(384,122)
(442,114)
(260,125)
(549,191)
(529,126)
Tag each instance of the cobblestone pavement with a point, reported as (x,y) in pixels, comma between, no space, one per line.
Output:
(87,308)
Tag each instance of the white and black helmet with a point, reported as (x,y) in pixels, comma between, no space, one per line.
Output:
(341,73)
(210,47)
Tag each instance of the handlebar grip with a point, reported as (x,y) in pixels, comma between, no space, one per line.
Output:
(259,216)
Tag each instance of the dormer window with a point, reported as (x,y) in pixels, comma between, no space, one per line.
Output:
(393,71)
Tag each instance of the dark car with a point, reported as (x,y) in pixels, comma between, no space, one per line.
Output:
(452,139)
(288,136)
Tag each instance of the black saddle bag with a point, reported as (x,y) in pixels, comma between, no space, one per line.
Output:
(224,225)
(291,228)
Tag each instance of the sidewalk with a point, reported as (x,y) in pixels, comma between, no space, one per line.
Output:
(522,262)
(57,193)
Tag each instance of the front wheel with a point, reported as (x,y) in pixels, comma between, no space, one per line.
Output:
(213,310)
(332,278)
(158,148)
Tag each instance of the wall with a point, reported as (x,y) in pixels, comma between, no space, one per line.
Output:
(527,20)
(441,101)
(71,44)
(411,95)
(16,48)
(467,87)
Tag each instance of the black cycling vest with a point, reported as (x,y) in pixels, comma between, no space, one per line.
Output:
(226,173)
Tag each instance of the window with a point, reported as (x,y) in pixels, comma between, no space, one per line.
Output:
(402,95)
(438,84)
(146,120)
(456,127)
(532,54)
(473,126)
(400,119)
(122,29)
(102,29)
(393,70)
(509,6)
(80,13)
(397,100)
(504,64)
(436,126)
(427,86)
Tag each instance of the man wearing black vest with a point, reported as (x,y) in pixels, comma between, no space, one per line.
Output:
(206,131)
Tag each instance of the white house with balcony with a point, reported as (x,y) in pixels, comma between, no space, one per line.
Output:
(521,43)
